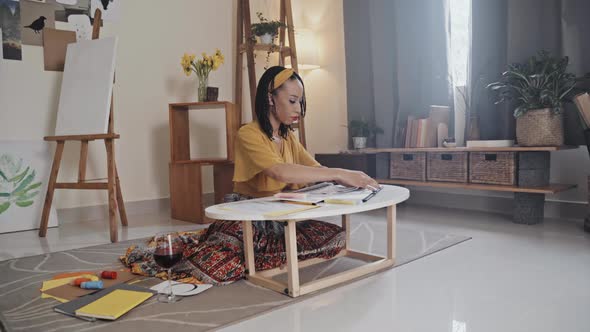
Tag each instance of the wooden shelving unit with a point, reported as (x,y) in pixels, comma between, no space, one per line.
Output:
(186,201)
(463,149)
(532,167)
(551,189)
(284,50)
(205,162)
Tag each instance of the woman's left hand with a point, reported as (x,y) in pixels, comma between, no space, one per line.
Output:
(356,179)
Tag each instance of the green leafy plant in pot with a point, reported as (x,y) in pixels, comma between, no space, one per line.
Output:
(361,130)
(266,30)
(538,89)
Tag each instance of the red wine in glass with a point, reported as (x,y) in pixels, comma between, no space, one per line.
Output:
(168,252)
(167,258)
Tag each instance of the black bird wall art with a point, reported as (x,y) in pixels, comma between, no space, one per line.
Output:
(37,24)
(105,3)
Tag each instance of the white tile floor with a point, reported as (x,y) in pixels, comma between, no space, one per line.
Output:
(507,278)
(86,233)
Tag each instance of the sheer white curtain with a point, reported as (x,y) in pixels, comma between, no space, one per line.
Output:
(459,17)
(397,62)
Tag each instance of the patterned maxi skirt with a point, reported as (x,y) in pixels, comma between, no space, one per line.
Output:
(216,255)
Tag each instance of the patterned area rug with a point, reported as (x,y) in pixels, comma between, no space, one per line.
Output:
(22,309)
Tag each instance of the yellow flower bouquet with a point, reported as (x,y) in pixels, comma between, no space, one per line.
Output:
(202,67)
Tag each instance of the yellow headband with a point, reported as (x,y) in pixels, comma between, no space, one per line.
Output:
(282,77)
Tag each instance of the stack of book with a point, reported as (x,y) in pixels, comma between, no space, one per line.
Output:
(424,133)
(583,103)
(418,133)
(109,303)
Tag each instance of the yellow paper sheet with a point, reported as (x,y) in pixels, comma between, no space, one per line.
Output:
(49,284)
(45,296)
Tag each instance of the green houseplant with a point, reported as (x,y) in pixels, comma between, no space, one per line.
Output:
(266,30)
(360,131)
(538,88)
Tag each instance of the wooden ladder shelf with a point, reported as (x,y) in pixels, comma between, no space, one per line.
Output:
(245,44)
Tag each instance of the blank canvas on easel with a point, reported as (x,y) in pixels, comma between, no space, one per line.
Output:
(87,86)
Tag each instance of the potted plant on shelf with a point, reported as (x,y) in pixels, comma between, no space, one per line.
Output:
(361,130)
(538,88)
(266,30)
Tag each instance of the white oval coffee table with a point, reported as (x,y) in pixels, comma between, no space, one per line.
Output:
(387,198)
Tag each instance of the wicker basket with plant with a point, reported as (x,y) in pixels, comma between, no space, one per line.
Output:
(538,89)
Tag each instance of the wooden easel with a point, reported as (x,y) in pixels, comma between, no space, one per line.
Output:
(244,44)
(112,185)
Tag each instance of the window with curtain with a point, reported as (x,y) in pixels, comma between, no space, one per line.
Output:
(403,56)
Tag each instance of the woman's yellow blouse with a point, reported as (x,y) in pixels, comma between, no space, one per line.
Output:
(255,152)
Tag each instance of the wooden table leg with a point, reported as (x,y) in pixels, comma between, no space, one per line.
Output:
(391,223)
(346,228)
(248,238)
(292,264)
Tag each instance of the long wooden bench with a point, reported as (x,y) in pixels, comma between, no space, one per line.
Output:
(529,199)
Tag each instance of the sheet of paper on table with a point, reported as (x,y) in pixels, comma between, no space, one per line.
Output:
(327,192)
(267,208)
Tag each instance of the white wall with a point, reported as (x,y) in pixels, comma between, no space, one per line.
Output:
(326,120)
(148,76)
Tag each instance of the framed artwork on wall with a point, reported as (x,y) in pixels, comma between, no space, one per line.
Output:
(35,17)
(11,32)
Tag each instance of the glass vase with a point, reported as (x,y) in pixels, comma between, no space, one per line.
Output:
(202,90)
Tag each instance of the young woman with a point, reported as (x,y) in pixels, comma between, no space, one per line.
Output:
(268,159)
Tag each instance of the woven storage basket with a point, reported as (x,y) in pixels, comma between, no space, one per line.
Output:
(492,167)
(446,166)
(408,166)
(539,128)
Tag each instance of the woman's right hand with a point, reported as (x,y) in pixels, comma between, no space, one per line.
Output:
(355,179)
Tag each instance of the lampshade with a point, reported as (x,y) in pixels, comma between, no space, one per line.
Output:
(307,49)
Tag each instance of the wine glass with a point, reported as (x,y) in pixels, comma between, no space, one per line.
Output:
(168,252)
